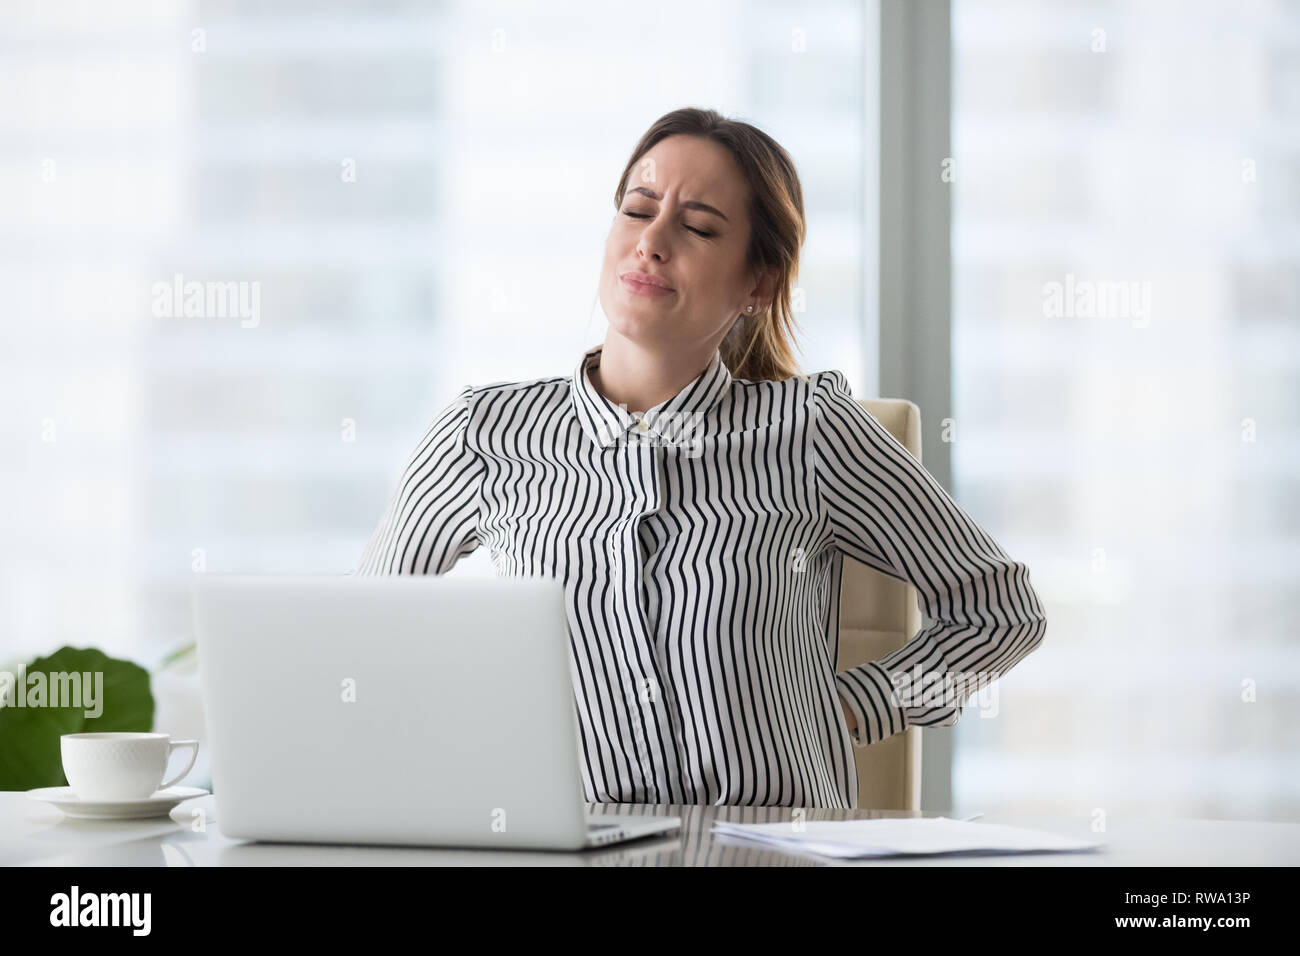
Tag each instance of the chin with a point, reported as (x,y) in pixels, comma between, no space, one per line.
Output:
(643,326)
(637,318)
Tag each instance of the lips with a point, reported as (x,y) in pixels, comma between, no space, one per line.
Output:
(646,279)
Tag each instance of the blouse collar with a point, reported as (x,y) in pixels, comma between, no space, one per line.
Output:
(680,418)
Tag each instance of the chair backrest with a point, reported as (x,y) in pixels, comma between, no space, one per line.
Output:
(879,614)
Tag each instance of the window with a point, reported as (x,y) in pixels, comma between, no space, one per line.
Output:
(381,203)
(1127,396)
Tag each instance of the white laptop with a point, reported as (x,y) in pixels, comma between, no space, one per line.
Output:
(401,710)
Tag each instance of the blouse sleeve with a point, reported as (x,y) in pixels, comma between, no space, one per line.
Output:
(887,511)
(432,518)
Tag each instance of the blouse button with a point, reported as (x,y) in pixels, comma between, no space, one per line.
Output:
(641,425)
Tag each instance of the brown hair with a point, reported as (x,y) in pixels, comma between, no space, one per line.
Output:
(758,347)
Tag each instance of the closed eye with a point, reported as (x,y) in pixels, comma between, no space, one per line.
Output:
(698,232)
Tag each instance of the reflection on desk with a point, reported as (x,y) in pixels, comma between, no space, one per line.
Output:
(35,834)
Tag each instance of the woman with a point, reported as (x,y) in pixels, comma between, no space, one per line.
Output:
(700,540)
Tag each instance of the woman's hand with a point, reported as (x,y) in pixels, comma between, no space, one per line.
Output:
(848,716)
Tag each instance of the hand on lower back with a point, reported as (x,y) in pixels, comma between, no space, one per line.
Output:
(848,717)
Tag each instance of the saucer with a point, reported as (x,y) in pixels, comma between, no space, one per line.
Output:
(159,804)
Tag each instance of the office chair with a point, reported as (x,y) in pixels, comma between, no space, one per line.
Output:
(879,614)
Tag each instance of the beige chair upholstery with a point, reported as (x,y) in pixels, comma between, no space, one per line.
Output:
(879,614)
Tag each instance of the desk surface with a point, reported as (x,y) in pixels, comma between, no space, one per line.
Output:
(33,833)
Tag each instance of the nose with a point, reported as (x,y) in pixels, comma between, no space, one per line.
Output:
(651,242)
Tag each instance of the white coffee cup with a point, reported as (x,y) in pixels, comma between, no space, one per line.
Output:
(121,766)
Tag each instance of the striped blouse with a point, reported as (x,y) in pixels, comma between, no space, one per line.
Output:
(700,546)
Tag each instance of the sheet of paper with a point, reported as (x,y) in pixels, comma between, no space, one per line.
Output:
(847,839)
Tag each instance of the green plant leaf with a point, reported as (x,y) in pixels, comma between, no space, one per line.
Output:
(30,754)
(183,656)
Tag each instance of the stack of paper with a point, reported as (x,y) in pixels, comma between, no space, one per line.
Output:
(848,839)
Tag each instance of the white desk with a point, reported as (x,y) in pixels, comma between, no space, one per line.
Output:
(32,833)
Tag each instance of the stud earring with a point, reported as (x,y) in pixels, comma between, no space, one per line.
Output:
(749,308)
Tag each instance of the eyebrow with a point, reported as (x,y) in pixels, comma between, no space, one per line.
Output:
(689,204)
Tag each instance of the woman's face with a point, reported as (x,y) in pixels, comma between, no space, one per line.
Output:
(685,219)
